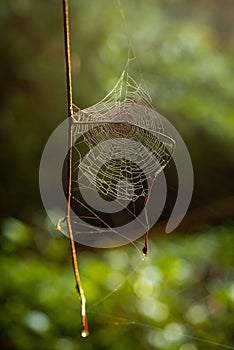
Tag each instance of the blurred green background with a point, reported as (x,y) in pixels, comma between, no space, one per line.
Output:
(182,295)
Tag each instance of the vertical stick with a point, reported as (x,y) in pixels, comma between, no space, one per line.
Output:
(80,290)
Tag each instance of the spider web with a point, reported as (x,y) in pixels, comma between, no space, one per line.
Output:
(119,146)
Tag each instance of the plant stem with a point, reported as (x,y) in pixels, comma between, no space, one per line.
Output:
(79,287)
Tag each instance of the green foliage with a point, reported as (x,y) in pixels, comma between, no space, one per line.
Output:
(180,297)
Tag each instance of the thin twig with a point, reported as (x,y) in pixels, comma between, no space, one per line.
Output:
(80,290)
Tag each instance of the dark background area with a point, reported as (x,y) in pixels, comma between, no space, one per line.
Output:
(182,296)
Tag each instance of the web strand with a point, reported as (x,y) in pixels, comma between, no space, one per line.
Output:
(123,321)
(119,146)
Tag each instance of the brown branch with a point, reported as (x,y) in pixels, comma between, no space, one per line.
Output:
(79,287)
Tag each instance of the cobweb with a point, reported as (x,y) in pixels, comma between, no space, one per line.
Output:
(119,146)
